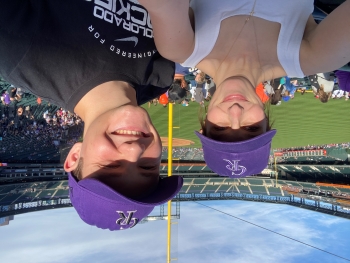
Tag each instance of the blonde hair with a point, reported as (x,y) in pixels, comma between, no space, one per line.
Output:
(201,77)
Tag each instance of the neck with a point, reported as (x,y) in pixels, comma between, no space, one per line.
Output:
(243,66)
(103,98)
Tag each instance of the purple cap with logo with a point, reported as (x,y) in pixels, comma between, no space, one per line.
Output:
(99,205)
(237,159)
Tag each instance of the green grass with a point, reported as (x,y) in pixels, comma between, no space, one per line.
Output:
(305,120)
(186,118)
(299,122)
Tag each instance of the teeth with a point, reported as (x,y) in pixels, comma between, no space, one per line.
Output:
(128,132)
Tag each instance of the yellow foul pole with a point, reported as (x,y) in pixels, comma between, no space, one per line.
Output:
(276,172)
(170,165)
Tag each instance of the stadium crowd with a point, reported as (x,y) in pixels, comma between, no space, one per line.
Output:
(315,147)
(184,153)
(198,87)
(41,125)
(197,153)
(33,129)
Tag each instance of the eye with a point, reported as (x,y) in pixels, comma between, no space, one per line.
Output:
(218,128)
(148,167)
(110,166)
(252,128)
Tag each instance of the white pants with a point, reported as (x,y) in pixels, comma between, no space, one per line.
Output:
(192,90)
(338,93)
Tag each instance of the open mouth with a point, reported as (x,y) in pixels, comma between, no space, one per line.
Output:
(130,132)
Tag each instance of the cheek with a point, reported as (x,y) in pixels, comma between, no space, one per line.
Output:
(155,151)
(156,148)
(99,148)
(258,112)
(214,115)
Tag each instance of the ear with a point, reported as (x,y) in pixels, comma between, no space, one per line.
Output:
(73,157)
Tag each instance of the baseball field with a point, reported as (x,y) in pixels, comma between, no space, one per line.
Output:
(299,122)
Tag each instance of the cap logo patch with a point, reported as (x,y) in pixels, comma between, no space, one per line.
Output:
(127,220)
(235,168)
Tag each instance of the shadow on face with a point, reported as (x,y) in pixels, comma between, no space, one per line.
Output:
(134,180)
(227,134)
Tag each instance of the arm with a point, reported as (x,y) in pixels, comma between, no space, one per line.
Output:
(173,33)
(325,47)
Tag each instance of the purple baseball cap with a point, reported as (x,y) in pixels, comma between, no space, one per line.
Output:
(237,159)
(99,205)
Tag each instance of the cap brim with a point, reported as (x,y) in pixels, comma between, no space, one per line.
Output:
(99,205)
(167,188)
(237,147)
(237,159)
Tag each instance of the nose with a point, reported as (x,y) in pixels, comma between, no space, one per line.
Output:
(132,151)
(235,112)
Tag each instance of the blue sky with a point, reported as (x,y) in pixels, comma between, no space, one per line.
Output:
(203,235)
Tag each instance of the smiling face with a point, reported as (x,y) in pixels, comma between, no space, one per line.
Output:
(235,112)
(122,149)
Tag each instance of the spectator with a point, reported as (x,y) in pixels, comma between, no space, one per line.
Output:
(290,86)
(337,94)
(344,82)
(6,98)
(20,111)
(180,73)
(19,94)
(154,102)
(200,92)
(210,87)
(13,91)
(276,97)
(322,86)
(163,99)
(27,112)
(184,103)
(260,91)
(324,96)
(3,98)
(176,91)
(268,89)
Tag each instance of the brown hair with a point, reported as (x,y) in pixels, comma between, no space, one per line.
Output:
(78,172)
(323,95)
(276,97)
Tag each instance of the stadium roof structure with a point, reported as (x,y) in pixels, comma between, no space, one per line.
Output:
(18,198)
(339,174)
